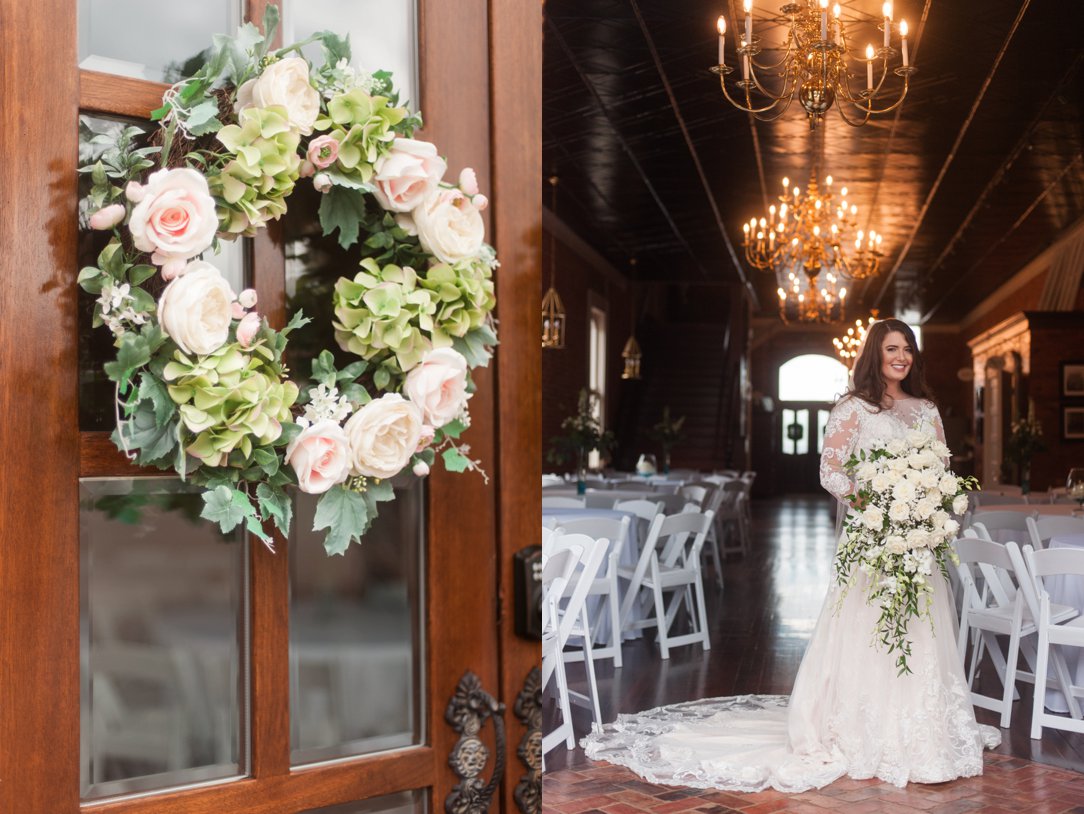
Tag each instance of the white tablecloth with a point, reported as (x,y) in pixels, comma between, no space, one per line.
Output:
(629,551)
(1027,508)
(1067,590)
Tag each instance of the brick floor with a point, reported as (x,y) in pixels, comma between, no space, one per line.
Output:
(1007,785)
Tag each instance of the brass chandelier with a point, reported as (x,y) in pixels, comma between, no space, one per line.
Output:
(848,345)
(810,242)
(815,66)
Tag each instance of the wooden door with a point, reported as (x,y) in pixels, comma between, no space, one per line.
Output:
(464,531)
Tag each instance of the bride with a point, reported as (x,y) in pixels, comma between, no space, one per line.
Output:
(849,712)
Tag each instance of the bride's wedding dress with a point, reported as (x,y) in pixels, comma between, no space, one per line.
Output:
(849,713)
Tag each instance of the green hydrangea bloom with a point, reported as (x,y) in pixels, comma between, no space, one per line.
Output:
(252,188)
(464,296)
(383,313)
(362,124)
(232,399)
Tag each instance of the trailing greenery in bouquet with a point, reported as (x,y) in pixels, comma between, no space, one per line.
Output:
(901,531)
(201,383)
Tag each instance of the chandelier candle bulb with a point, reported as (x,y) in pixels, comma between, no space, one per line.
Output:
(837,30)
(824,19)
(903,41)
(869,66)
(887,11)
(748,21)
(721,25)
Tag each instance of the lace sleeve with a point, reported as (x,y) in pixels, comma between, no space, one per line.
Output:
(839,442)
(933,415)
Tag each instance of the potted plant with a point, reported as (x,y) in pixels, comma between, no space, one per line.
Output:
(582,433)
(1025,440)
(668,433)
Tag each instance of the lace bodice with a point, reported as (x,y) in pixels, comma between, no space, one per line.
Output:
(854,424)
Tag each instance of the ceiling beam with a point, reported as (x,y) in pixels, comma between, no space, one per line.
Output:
(952,152)
(694,155)
(563,44)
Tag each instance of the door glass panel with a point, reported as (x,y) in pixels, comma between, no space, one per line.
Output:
(801,417)
(159,42)
(788,445)
(356,634)
(822,425)
(406,802)
(96,392)
(162,594)
(390,46)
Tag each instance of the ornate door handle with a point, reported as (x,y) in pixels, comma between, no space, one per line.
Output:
(467,713)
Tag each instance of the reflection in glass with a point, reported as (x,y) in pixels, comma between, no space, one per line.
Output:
(161,599)
(117,36)
(96,392)
(406,802)
(356,634)
(391,46)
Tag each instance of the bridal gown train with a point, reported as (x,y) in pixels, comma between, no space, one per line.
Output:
(848,713)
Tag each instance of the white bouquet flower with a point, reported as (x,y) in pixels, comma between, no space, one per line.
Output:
(902,530)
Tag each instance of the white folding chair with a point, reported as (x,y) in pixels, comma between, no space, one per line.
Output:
(556,569)
(997,525)
(1041,564)
(711,501)
(732,513)
(1002,608)
(632,486)
(985,498)
(693,494)
(644,509)
(670,562)
(572,609)
(559,502)
(605,585)
(1042,527)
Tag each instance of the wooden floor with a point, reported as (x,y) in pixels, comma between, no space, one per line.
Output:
(760,625)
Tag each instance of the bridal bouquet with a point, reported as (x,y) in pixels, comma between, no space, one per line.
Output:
(902,530)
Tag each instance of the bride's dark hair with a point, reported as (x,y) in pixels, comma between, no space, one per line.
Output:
(868,382)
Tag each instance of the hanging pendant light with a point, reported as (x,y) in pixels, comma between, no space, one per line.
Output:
(553,310)
(632,353)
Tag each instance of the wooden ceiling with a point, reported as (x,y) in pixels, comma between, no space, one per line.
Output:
(979,170)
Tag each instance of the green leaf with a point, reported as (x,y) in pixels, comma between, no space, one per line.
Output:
(342,209)
(453,429)
(380,491)
(381,377)
(141,273)
(352,371)
(143,434)
(276,504)
(473,346)
(133,353)
(454,460)
(345,515)
(356,394)
(290,431)
(298,320)
(203,118)
(267,460)
(160,113)
(323,369)
(150,387)
(335,47)
(92,280)
(227,507)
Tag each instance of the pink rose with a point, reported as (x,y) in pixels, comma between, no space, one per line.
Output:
(247,329)
(107,217)
(323,151)
(426,437)
(383,436)
(134,191)
(175,219)
(438,385)
(307,170)
(320,456)
(406,174)
(468,181)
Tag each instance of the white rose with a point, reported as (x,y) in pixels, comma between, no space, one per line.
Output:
(940,450)
(175,218)
(195,309)
(284,84)
(865,471)
(898,512)
(939,518)
(881,482)
(950,527)
(959,504)
(873,518)
(947,484)
(320,456)
(917,439)
(929,460)
(383,436)
(898,465)
(896,446)
(929,479)
(438,385)
(917,538)
(895,544)
(924,508)
(449,226)
(916,460)
(904,490)
(406,175)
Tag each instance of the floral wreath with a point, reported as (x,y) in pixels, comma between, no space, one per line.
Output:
(200,378)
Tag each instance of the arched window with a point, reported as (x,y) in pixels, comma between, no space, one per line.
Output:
(812,377)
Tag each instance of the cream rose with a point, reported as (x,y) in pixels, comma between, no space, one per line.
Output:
(320,456)
(175,219)
(383,436)
(959,504)
(947,484)
(405,176)
(194,310)
(904,491)
(924,508)
(284,84)
(449,226)
(438,385)
(873,518)
(898,512)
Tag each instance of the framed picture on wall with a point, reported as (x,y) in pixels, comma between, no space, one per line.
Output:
(1072,379)
(1072,423)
